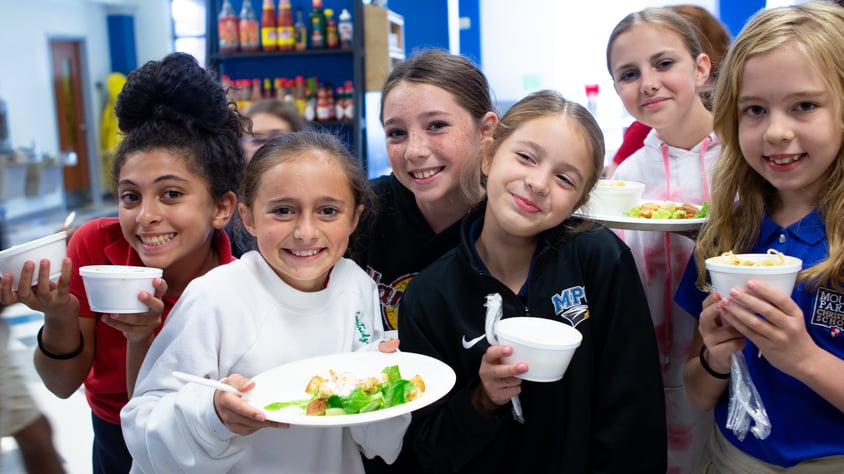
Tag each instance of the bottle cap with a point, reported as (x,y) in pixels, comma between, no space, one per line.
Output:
(345,15)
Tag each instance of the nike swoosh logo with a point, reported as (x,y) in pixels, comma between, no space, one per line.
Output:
(469,344)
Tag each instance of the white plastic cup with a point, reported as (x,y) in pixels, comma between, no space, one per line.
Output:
(725,276)
(546,346)
(52,247)
(614,198)
(115,288)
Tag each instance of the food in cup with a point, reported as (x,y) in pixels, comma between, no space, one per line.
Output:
(731,270)
(729,258)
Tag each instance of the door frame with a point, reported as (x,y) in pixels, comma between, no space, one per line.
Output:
(90,119)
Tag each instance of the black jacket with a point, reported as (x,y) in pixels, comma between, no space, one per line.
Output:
(607,414)
(398,245)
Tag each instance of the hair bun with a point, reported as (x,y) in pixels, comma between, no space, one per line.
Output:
(175,90)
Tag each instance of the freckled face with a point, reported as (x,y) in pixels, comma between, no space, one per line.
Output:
(655,75)
(788,130)
(302,216)
(536,179)
(165,210)
(431,141)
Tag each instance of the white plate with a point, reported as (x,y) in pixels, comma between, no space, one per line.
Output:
(641,223)
(287,382)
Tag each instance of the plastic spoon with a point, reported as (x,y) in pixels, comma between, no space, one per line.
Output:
(208,383)
(493,314)
(69,220)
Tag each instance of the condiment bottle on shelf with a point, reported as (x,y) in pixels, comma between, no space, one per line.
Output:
(331,39)
(345,29)
(310,106)
(300,95)
(268,88)
(227,28)
(256,91)
(242,90)
(350,101)
(280,88)
(322,106)
(317,25)
(286,32)
(249,37)
(269,37)
(301,31)
(339,104)
(288,91)
(329,91)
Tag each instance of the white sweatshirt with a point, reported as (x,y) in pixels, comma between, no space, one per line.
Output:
(674,174)
(242,318)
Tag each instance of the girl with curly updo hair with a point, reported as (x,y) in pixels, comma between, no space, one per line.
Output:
(175,174)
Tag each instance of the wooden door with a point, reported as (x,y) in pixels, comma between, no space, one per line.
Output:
(70,116)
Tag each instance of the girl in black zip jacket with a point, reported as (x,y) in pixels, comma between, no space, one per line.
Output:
(607,414)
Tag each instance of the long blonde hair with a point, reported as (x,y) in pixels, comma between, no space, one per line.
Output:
(740,196)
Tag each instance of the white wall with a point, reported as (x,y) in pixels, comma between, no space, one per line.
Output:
(25,71)
(558,45)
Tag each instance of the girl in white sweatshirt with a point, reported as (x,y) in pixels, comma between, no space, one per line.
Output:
(658,68)
(294,298)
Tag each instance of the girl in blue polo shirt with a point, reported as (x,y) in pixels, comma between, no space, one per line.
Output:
(779,184)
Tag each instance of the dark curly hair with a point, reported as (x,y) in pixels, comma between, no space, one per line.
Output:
(176,105)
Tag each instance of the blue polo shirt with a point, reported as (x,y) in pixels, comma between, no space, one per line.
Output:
(803,425)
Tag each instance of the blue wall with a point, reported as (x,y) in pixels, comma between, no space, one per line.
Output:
(425,23)
(121,43)
(735,14)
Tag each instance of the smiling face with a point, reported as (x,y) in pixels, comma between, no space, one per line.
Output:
(302,216)
(166,211)
(537,178)
(655,75)
(788,130)
(432,142)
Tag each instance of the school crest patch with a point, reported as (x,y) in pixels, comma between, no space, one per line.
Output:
(571,305)
(828,311)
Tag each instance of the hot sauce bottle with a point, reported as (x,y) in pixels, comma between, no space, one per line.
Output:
(249,38)
(286,33)
(317,26)
(227,28)
(331,39)
(269,40)
(301,42)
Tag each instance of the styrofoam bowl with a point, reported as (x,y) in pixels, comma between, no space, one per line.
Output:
(115,288)
(52,247)
(726,276)
(545,345)
(614,197)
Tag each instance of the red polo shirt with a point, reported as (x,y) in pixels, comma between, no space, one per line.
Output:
(101,242)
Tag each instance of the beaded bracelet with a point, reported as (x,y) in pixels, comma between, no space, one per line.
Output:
(67,356)
(708,369)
